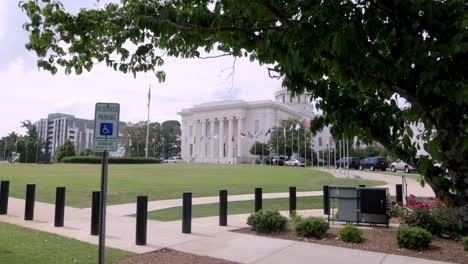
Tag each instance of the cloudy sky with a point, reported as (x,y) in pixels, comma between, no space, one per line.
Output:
(29,94)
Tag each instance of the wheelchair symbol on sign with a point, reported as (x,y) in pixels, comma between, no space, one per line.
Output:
(106,129)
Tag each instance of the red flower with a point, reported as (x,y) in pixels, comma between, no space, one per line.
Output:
(444,205)
(412,196)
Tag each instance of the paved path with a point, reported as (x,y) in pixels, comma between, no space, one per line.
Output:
(208,238)
(413,186)
(130,208)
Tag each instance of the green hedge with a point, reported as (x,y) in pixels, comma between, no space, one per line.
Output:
(114,160)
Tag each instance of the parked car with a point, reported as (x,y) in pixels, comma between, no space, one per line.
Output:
(352,161)
(295,163)
(400,165)
(173,160)
(374,163)
(274,160)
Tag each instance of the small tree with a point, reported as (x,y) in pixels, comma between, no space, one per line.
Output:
(256,149)
(65,150)
(87,152)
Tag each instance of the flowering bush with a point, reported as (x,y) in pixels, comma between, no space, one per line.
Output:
(432,215)
(398,210)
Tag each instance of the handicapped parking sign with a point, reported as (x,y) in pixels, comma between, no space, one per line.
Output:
(106,129)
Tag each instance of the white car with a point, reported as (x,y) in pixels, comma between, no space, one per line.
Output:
(173,160)
(294,162)
(400,165)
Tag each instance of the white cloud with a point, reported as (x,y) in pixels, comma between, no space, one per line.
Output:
(31,94)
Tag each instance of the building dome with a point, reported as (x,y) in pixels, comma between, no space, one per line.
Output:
(282,95)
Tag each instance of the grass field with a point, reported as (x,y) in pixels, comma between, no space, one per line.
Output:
(244,207)
(24,245)
(162,181)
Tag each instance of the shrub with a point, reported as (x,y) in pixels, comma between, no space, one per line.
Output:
(113,160)
(267,222)
(448,222)
(312,227)
(465,243)
(433,216)
(413,237)
(398,210)
(296,218)
(351,234)
(422,217)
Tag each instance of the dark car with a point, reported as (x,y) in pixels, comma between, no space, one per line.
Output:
(274,160)
(343,162)
(374,163)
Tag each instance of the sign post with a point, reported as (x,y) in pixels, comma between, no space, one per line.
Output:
(106,133)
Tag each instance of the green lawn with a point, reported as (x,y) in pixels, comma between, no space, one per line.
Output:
(413,176)
(24,245)
(244,207)
(162,181)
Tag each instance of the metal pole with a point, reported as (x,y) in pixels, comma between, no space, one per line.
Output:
(258,199)
(59,206)
(348,159)
(305,148)
(147,122)
(292,200)
(95,213)
(5,149)
(141,220)
(26,158)
(223,207)
(102,208)
(37,149)
(30,197)
(187,213)
(4,190)
(328,148)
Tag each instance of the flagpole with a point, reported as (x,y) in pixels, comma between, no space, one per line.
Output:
(284,143)
(305,148)
(277,138)
(147,122)
(292,142)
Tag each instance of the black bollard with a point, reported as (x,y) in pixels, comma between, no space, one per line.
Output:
(326,200)
(187,213)
(95,214)
(258,199)
(223,207)
(399,193)
(59,206)
(30,197)
(292,200)
(362,185)
(4,190)
(141,220)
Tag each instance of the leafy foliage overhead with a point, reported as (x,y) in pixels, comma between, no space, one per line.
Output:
(373,67)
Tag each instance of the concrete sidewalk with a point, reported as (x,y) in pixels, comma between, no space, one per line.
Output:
(130,208)
(207,239)
(413,186)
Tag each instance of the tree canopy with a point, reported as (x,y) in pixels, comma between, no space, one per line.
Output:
(373,68)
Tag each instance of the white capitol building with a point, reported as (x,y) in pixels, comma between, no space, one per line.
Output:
(211,132)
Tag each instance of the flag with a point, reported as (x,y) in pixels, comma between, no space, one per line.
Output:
(298,126)
(291,128)
(268,132)
(243,135)
(258,133)
(307,123)
(250,135)
(274,131)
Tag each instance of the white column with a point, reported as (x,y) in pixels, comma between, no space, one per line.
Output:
(240,127)
(195,139)
(212,139)
(229,139)
(221,137)
(203,142)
